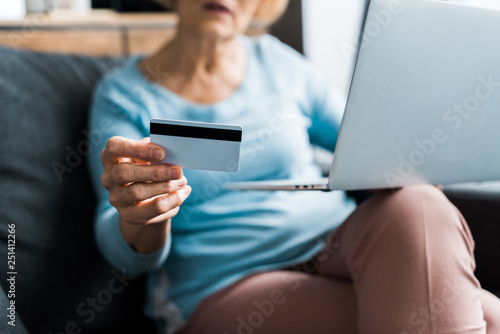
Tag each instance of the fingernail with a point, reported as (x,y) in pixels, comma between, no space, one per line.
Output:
(175,173)
(186,190)
(157,155)
(181,182)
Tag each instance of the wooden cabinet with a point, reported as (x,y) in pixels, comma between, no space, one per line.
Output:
(95,42)
(140,40)
(99,32)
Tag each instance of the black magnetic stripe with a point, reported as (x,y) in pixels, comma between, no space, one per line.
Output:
(195,132)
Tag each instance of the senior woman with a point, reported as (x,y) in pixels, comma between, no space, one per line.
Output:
(266,262)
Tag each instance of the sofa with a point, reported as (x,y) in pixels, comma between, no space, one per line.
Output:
(61,283)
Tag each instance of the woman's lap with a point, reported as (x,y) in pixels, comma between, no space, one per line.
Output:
(278,302)
(378,273)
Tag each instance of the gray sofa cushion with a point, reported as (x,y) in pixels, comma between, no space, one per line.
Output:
(480,205)
(489,191)
(43,101)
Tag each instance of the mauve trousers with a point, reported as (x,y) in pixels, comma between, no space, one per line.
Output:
(402,263)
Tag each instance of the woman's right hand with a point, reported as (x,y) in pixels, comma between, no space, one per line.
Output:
(146,195)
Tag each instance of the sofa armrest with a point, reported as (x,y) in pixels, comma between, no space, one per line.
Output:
(480,205)
(476,190)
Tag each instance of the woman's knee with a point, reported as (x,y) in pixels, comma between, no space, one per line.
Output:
(491,309)
(401,216)
(421,211)
(415,198)
(417,203)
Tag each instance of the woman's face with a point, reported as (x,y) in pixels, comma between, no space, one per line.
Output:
(217,18)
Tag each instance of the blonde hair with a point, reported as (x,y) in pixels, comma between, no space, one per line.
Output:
(267,13)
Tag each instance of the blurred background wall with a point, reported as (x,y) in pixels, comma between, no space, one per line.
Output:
(321,29)
(331,30)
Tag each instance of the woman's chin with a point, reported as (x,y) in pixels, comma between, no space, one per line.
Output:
(213,29)
(217,31)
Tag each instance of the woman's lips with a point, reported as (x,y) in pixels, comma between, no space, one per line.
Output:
(216,8)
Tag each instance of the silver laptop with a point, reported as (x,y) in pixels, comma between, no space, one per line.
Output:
(424,100)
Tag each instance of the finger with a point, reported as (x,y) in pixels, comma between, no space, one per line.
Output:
(126,173)
(120,147)
(143,212)
(140,191)
(161,218)
(139,161)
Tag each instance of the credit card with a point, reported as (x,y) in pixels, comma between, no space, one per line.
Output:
(198,145)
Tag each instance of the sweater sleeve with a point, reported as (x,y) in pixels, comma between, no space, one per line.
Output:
(317,99)
(115,113)
(327,111)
